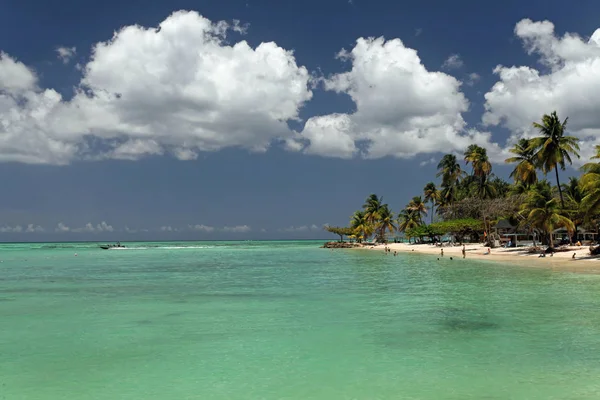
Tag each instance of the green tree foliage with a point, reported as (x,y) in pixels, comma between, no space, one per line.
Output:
(542,210)
(525,171)
(553,149)
(459,227)
(341,231)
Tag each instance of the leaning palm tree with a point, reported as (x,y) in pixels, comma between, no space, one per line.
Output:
(542,211)
(417,206)
(431,195)
(524,157)
(553,149)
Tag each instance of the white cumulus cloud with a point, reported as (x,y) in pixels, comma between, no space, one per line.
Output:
(65,54)
(61,227)
(201,228)
(179,89)
(87,228)
(31,228)
(237,229)
(11,229)
(569,84)
(402,109)
(302,228)
(453,62)
(472,78)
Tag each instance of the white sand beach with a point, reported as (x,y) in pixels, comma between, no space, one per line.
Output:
(583,261)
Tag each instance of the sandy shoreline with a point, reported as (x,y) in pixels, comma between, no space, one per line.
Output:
(583,261)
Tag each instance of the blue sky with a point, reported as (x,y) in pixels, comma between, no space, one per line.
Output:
(264,129)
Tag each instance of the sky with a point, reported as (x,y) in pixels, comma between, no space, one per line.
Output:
(248,119)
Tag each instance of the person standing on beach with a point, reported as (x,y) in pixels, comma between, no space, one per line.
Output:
(464,252)
(442,252)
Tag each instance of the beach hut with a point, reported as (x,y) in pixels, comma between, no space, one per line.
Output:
(504,229)
(511,233)
(582,235)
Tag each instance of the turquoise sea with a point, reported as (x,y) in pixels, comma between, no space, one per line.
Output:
(288,320)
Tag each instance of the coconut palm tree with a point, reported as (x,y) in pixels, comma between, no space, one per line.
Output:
(431,195)
(482,168)
(574,192)
(590,182)
(408,220)
(450,171)
(372,207)
(525,170)
(542,211)
(417,206)
(362,228)
(553,149)
(385,223)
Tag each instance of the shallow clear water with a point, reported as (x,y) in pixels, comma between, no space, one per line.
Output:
(287,320)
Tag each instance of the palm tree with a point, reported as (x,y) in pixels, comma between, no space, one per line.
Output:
(431,195)
(450,171)
(417,206)
(525,170)
(373,206)
(482,168)
(590,182)
(542,211)
(553,149)
(386,222)
(362,228)
(408,220)
(575,192)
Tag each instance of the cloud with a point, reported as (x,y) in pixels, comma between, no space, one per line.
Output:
(62,228)
(15,77)
(402,109)
(101,227)
(11,229)
(418,31)
(303,228)
(472,79)
(427,162)
(570,84)
(66,53)
(453,62)
(237,229)
(168,228)
(31,228)
(179,89)
(202,228)
(87,228)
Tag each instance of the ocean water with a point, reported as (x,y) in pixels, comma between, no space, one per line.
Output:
(287,320)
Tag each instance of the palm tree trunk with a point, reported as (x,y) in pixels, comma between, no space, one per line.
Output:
(562,201)
(432,211)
